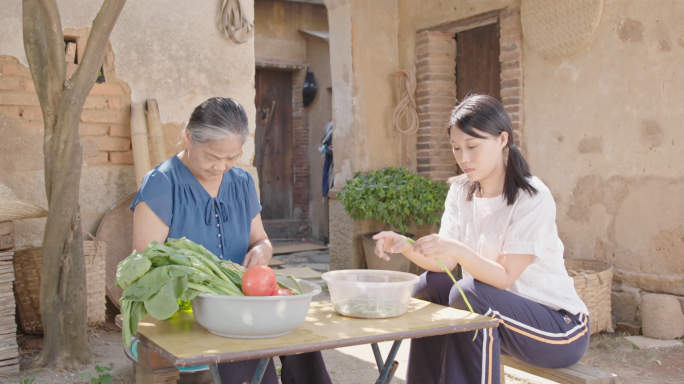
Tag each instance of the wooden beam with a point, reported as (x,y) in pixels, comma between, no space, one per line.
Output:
(456,26)
(574,374)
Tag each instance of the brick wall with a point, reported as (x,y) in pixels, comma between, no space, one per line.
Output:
(300,150)
(435,98)
(105,121)
(510,36)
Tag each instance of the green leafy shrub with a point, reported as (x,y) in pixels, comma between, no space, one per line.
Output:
(394,196)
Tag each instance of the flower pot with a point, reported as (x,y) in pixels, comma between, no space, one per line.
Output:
(398,262)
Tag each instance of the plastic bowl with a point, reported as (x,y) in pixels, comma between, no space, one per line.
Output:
(252,317)
(370,294)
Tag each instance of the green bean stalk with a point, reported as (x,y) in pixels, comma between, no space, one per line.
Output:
(444,268)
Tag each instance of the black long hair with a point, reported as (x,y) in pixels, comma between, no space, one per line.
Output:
(486,114)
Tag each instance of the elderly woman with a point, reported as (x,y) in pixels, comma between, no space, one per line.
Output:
(200,195)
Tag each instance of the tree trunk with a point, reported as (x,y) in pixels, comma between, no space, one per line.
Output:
(63,301)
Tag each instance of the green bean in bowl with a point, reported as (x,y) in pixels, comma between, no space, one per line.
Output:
(370,294)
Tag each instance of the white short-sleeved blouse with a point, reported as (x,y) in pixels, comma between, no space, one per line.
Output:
(491,228)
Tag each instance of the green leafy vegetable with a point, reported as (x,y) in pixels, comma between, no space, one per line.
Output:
(156,280)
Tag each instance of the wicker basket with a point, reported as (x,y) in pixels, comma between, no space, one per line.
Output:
(593,279)
(27,264)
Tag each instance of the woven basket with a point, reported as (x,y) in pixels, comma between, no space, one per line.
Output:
(27,265)
(11,208)
(593,279)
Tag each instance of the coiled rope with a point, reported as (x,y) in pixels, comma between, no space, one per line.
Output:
(233,23)
(406,109)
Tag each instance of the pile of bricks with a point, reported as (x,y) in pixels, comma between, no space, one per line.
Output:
(9,351)
(105,121)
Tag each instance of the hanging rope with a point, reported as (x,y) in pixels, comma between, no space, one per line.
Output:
(406,109)
(233,23)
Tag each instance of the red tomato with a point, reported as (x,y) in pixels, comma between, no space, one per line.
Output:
(259,280)
(283,292)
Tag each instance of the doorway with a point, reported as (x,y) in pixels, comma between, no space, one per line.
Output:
(273,143)
(478,68)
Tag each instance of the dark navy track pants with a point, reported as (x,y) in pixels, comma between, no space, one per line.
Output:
(532,333)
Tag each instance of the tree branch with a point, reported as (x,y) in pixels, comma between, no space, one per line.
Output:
(37,56)
(54,37)
(84,78)
(35,46)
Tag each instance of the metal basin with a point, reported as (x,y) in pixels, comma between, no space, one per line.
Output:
(254,317)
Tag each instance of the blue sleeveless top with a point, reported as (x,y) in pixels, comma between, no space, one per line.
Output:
(221,224)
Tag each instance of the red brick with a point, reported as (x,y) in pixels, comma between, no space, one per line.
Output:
(32,114)
(10,83)
(434,54)
(107,89)
(92,129)
(509,47)
(510,31)
(437,62)
(120,130)
(434,85)
(100,158)
(510,22)
(511,38)
(104,116)
(511,74)
(437,100)
(446,77)
(510,83)
(10,111)
(511,92)
(512,108)
(19,99)
(447,69)
(15,70)
(107,143)
(511,101)
(114,103)
(95,102)
(121,157)
(510,65)
(435,108)
(510,56)
(28,86)
(514,116)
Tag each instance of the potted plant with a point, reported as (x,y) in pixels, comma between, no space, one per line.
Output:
(395,197)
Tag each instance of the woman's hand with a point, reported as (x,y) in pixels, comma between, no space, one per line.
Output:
(437,247)
(260,254)
(390,242)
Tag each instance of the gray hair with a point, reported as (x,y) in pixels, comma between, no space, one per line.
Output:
(216,119)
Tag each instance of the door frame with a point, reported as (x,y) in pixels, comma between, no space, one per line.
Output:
(435,50)
(298,226)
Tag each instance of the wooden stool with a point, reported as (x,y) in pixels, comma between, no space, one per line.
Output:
(574,374)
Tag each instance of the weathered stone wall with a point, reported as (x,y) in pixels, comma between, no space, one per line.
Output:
(166,51)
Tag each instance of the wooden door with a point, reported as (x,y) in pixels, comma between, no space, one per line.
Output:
(275,170)
(477,62)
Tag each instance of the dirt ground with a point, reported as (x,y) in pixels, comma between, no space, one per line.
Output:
(355,365)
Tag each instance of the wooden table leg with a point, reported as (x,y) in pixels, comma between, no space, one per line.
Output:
(152,368)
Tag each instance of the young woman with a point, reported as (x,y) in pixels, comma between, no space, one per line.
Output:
(499,224)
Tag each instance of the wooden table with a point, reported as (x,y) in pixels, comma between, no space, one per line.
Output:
(181,342)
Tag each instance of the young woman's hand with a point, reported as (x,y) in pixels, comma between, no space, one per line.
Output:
(390,242)
(437,247)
